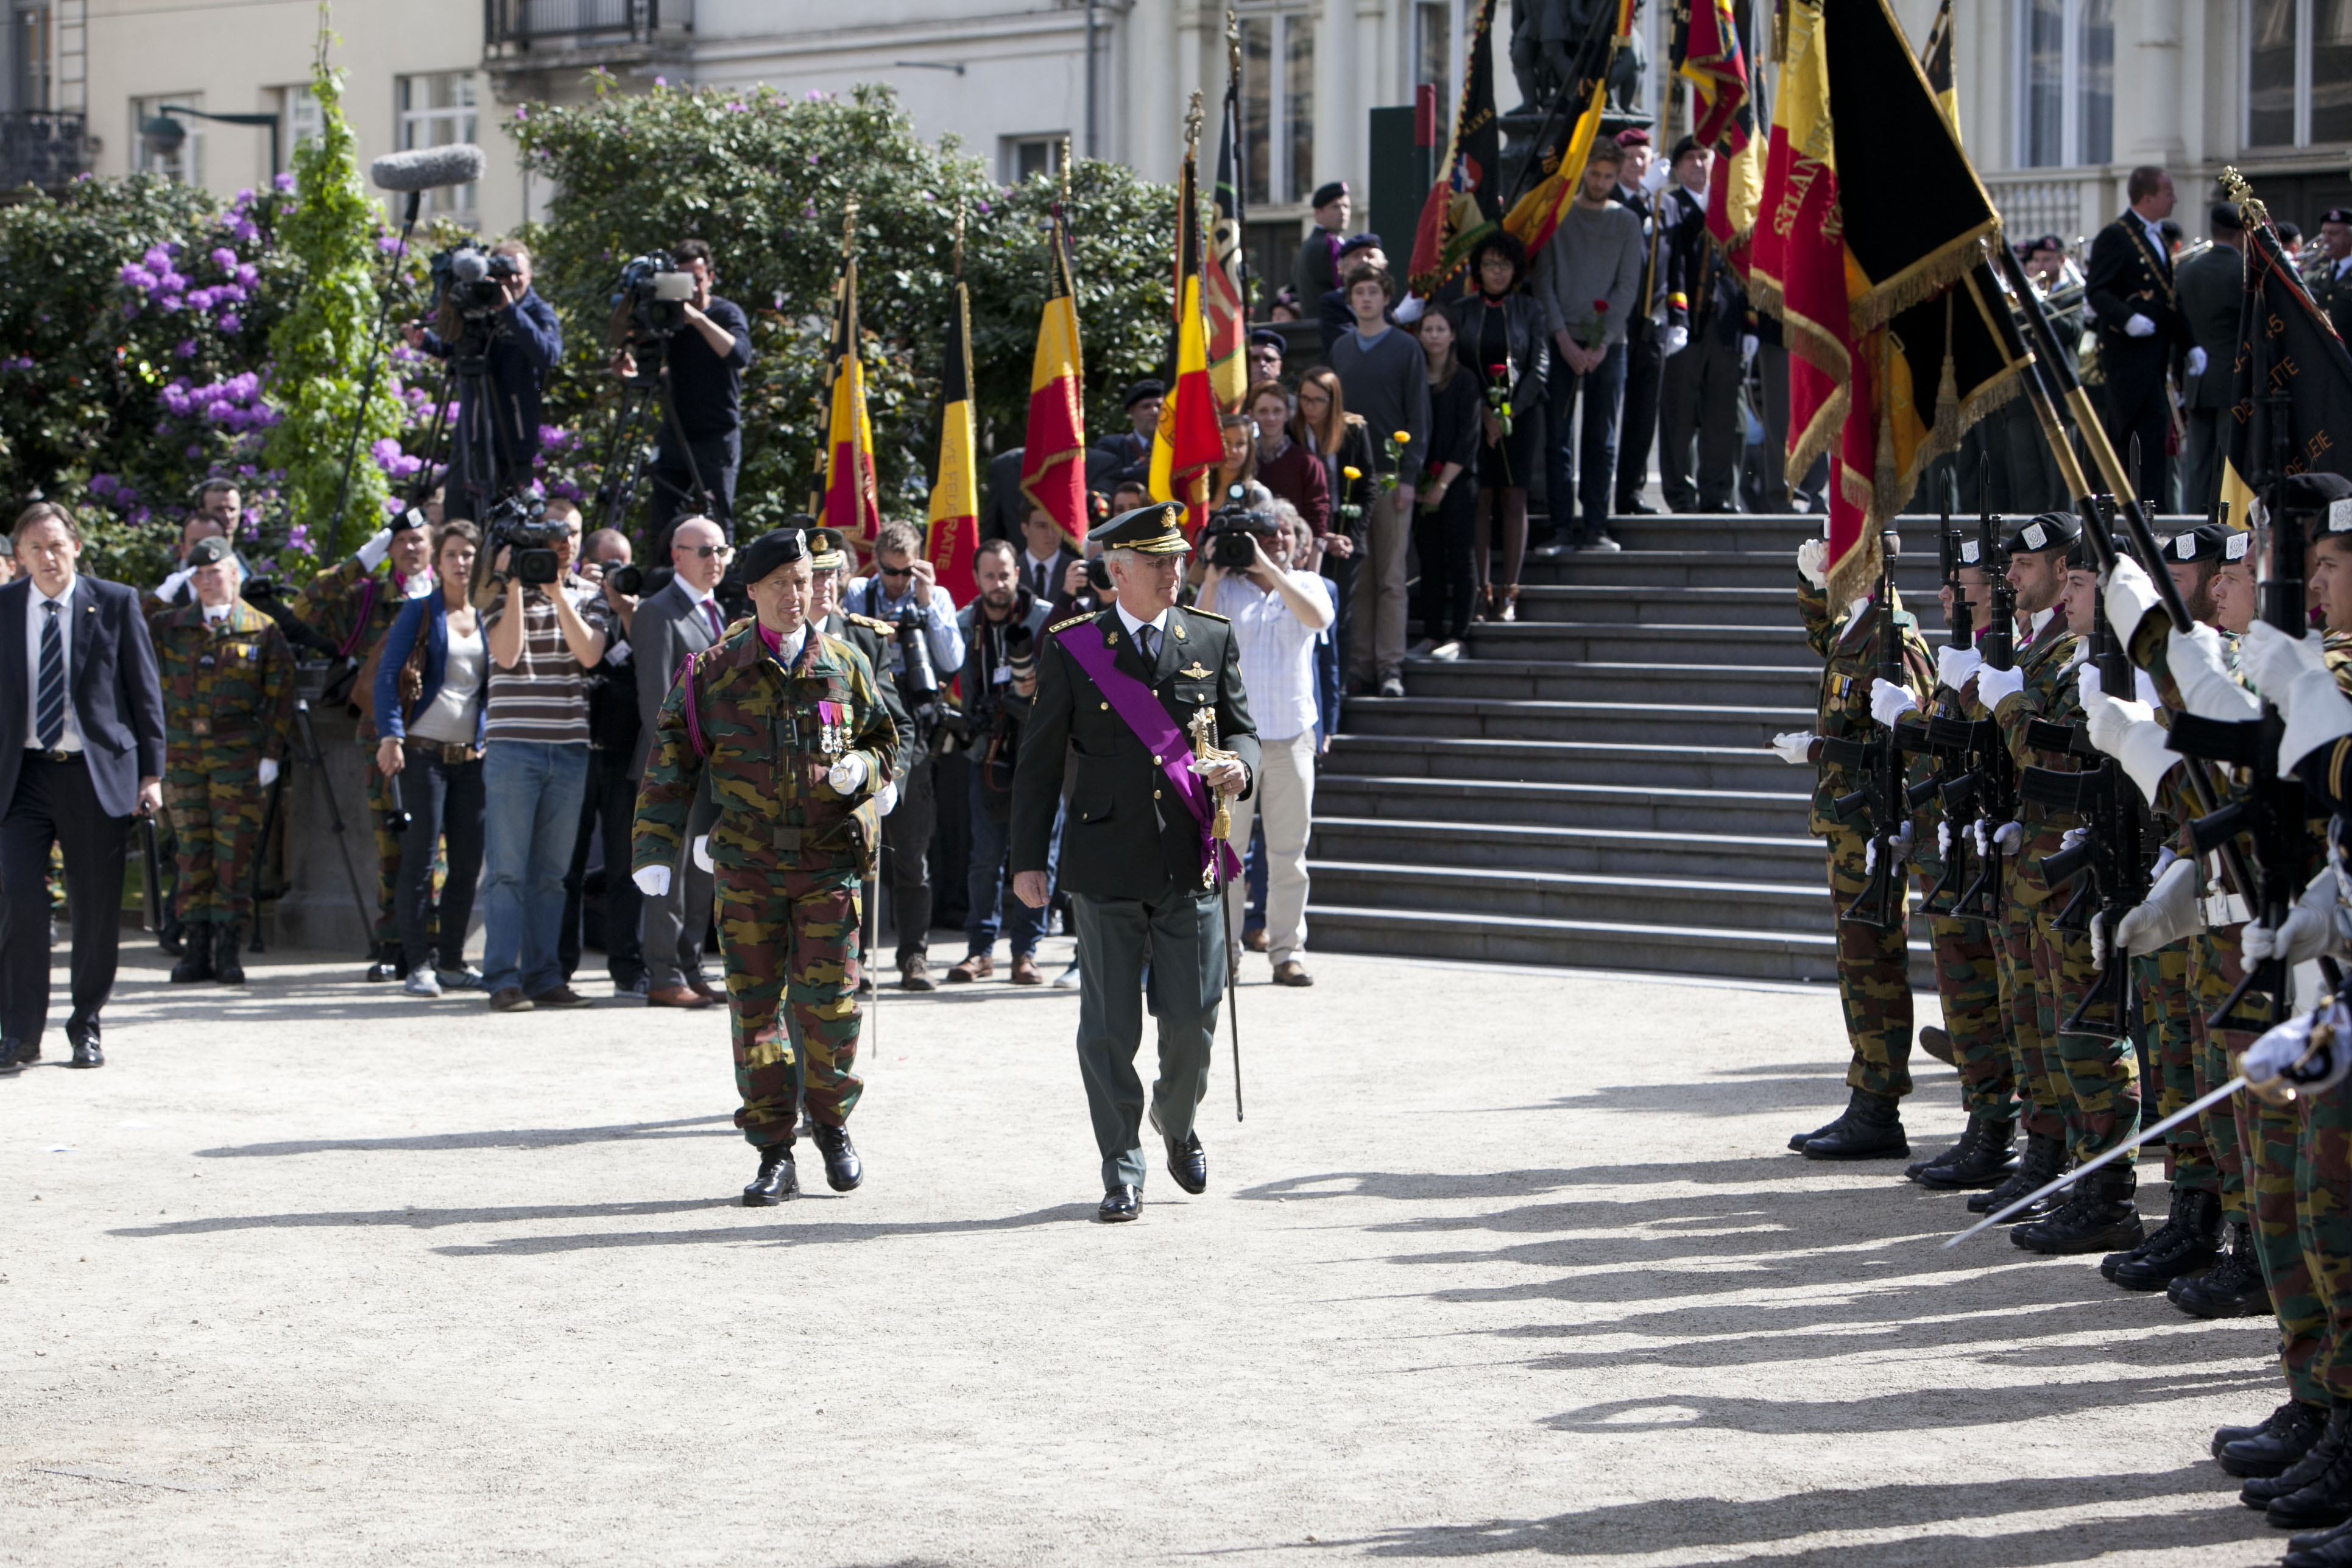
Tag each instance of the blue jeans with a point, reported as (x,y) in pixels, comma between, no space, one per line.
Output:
(1594,466)
(533,817)
(984,886)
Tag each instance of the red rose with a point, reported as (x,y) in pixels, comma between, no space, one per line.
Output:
(1499,370)
(1601,307)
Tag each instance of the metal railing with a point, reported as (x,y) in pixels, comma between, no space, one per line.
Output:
(575,24)
(42,147)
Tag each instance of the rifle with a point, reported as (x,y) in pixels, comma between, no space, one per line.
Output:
(1881,798)
(1990,782)
(1947,753)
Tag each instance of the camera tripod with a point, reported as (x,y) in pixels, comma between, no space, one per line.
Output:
(626,467)
(481,470)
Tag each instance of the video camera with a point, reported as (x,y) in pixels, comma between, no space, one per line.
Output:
(651,297)
(518,524)
(1230,535)
(472,281)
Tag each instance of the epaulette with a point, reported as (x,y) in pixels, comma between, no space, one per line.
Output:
(1073,621)
(887,628)
(1207,615)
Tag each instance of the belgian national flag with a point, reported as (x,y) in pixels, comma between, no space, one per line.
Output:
(1054,450)
(852,502)
(1535,216)
(954,531)
(1188,443)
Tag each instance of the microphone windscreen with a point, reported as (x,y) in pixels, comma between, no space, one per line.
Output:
(423,168)
(469,266)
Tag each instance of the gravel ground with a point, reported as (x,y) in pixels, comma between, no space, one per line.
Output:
(1503,1264)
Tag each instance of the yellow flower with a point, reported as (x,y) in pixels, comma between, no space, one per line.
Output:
(1404,438)
(1352,471)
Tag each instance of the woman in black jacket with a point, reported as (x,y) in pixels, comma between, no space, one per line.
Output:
(1503,340)
(1445,513)
(1344,445)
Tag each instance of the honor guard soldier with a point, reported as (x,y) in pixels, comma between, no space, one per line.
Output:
(1124,691)
(227,674)
(352,607)
(788,724)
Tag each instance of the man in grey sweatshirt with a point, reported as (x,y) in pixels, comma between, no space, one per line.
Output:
(1383,377)
(1586,281)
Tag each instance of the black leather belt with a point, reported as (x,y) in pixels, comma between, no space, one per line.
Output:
(34,753)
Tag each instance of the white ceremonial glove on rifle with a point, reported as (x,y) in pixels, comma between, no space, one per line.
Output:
(1889,702)
(1956,667)
(1749,343)
(1677,340)
(1900,845)
(2293,673)
(267,773)
(701,853)
(2312,927)
(2207,688)
(2127,732)
(373,553)
(2130,593)
(1794,745)
(2138,326)
(2196,361)
(1943,837)
(653,881)
(1995,687)
(2008,836)
(2170,912)
(1812,561)
(2284,1057)
(846,775)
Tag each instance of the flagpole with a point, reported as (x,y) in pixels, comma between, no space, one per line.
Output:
(1244,277)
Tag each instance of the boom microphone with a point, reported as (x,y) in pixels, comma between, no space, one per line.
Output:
(423,168)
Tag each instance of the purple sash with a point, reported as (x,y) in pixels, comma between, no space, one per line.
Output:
(1134,703)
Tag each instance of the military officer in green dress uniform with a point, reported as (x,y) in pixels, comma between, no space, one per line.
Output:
(1124,692)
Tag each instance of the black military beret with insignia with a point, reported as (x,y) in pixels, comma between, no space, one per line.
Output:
(1328,194)
(2036,535)
(771,551)
(2327,495)
(210,551)
(2208,541)
(1137,391)
(1156,528)
(2336,215)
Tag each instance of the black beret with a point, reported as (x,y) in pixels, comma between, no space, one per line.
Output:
(2225,215)
(2208,541)
(2329,495)
(410,518)
(764,554)
(1149,387)
(1270,338)
(209,550)
(2051,530)
(1365,241)
(1685,148)
(1156,528)
(2045,242)
(2336,215)
(1325,195)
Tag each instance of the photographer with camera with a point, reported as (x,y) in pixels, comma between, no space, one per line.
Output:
(923,657)
(1001,627)
(502,339)
(701,442)
(1260,578)
(610,807)
(545,631)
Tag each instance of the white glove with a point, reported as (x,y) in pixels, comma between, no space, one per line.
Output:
(2273,659)
(1944,838)
(2196,361)
(1409,310)
(2286,1053)
(1889,702)
(1749,343)
(887,801)
(653,881)
(2090,686)
(373,553)
(168,590)
(2144,690)
(1794,745)
(2130,594)
(847,776)
(1677,340)
(1995,687)
(2008,836)
(2311,928)
(2170,912)
(1901,845)
(2207,688)
(2127,732)
(701,853)
(1812,559)
(2317,712)
(2073,838)
(268,771)
(1955,667)
(2138,326)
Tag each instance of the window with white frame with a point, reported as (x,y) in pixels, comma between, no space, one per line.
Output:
(299,119)
(1432,61)
(183,164)
(2067,76)
(2298,72)
(435,110)
(1026,156)
(1277,104)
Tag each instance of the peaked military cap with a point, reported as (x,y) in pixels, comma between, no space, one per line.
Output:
(210,551)
(1156,528)
(2208,541)
(826,550)
(2051,530)
(778,548)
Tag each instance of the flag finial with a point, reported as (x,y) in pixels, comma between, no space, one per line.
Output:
(1192,125)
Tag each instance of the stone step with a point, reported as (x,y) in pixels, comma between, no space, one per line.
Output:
(1515,894)
(1746,768)
(1728,686)
(1782,645)
(1914,576)
(1602,603)
(1747,532)
(1393,797)
(1599,850)
(1504,718)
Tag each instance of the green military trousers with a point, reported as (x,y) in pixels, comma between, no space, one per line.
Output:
(1184,934)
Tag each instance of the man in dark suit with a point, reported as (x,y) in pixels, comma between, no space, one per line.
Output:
(1120,692)
(2213,286)
(1044,557)
(1698,387)
(684,618)
(1006,506)
(83,719)
(1646,328)
(2131,292)
(1131,448)
(2329,278)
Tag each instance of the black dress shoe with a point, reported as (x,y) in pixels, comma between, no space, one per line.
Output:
(2233,1288)
(86,1052)
(2261,1491)
(1121,1203)
(1871,1128)
(2189,1243)
(777,1180)
(2099,1217)
(2325,1499)
(842,1170)
(2043,1160)
(2268,1449)
(1188,1164)
(11,1064)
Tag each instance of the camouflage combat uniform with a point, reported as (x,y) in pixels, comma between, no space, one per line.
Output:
(790,852)
(1968,977)
(228,705)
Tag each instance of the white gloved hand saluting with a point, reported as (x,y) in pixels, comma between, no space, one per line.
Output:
(1956,667)
(379,545)
(653,881)
(2207,688)
(2130,593)
(1812,561)
(268,772)
(1995,687)
(169,589)
(701,853)
(2138,326)
(1794,745)
(847,776)
(2311,928)
(2196,361)
(1889,702)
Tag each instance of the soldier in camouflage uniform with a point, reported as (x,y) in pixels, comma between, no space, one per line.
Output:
(227,676)
(790,727)
(352,607)
(1873,966)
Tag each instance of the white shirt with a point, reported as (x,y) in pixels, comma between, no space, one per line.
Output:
(1159,625)
(1276,651)
(35,619)
(699,597)
(216,612)
(2156,238)
(1034,571)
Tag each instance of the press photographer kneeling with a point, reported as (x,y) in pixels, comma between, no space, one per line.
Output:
(1260,577)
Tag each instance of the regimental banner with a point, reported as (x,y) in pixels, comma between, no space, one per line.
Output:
(1535,216)
(1226,308)
(1461,207)
(1707,48)
(2291,411)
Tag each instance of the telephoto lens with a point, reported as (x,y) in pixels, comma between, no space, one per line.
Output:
(1020,655)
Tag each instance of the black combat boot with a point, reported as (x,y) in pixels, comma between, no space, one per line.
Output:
(2270,1447)
(2314,1491)
(1919,1168)
(2329,1547)
(2233,1288)
(1986,1163)
(197,963)
(2188,1243)
(2099,1216)
(842,1170)
(2044,1158)
(778,1179)
(1796,1140)
(226,969)
(1871,1128)
(172,936)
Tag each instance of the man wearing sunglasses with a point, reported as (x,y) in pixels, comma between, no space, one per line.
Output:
(904,582)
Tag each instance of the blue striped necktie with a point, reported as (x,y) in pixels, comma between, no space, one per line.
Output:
(49,716)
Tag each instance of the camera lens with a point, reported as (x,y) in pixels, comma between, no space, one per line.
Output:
(629,579)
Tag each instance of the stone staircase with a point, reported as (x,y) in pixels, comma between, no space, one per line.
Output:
(1589,786)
